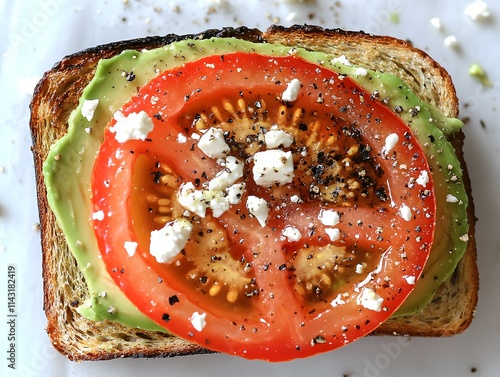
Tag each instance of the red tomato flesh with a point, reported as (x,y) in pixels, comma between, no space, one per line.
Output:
(263,296)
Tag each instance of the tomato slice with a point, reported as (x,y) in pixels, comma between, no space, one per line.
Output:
(258,291)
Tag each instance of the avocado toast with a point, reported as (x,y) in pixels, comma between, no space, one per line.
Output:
(436,319)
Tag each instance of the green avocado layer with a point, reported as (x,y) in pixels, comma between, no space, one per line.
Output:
(68,168)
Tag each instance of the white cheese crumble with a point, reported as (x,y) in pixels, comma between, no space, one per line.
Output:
(181,138)
(292,91)
(99,216)
(275,138)
(360,268)
(232,171)
(199,321)
(221,191)
(390,142)
(477,10)
(328,217)
(235,192)
(212,143)
(291,233)
(295,199)
(370,300)
(130,247)
(451,199)
(135,126)
(423,178)
(191,199)
(218,203)
(405,212)
(360,72)
(410,279)
(167,242)
(333,233)
(337,301)
(464,238)
(273,166)
(341,59)
(258,207)
(451,41)
(436,22)
(88,108)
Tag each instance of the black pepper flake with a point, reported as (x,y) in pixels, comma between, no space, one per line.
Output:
(172,300)
(303,127)
(130,76)
(318,340)
(282,267)
(156,176)
(165,317)
(74,303)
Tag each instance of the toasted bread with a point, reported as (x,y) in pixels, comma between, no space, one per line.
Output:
(57,95)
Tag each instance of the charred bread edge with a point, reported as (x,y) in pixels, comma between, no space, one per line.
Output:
(88,58)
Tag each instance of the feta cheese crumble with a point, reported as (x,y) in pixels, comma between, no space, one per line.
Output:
(328,217)
(436,22)
(258,207)
(451,41)
(390,142)
(99,216)
(273,166)
(130,247)
(410,279)
(167,242)
(235,192)
(88,108)
(360,72)
(451,199)
(477,10)
(181,138)
(292,91)
(199,321)
(232,171)
(370,300)
(135,126)
(192,199)
(405,212)
(275,138)
(423,178)
(342,60)
(291,233)
(333,233)
(212,143)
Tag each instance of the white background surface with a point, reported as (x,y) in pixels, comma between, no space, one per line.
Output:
(36,34)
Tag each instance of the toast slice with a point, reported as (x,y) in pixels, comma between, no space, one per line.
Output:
(56,96)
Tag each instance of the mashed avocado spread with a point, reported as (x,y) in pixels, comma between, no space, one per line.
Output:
(68,168)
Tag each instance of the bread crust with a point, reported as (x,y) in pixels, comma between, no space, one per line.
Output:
(57,94)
